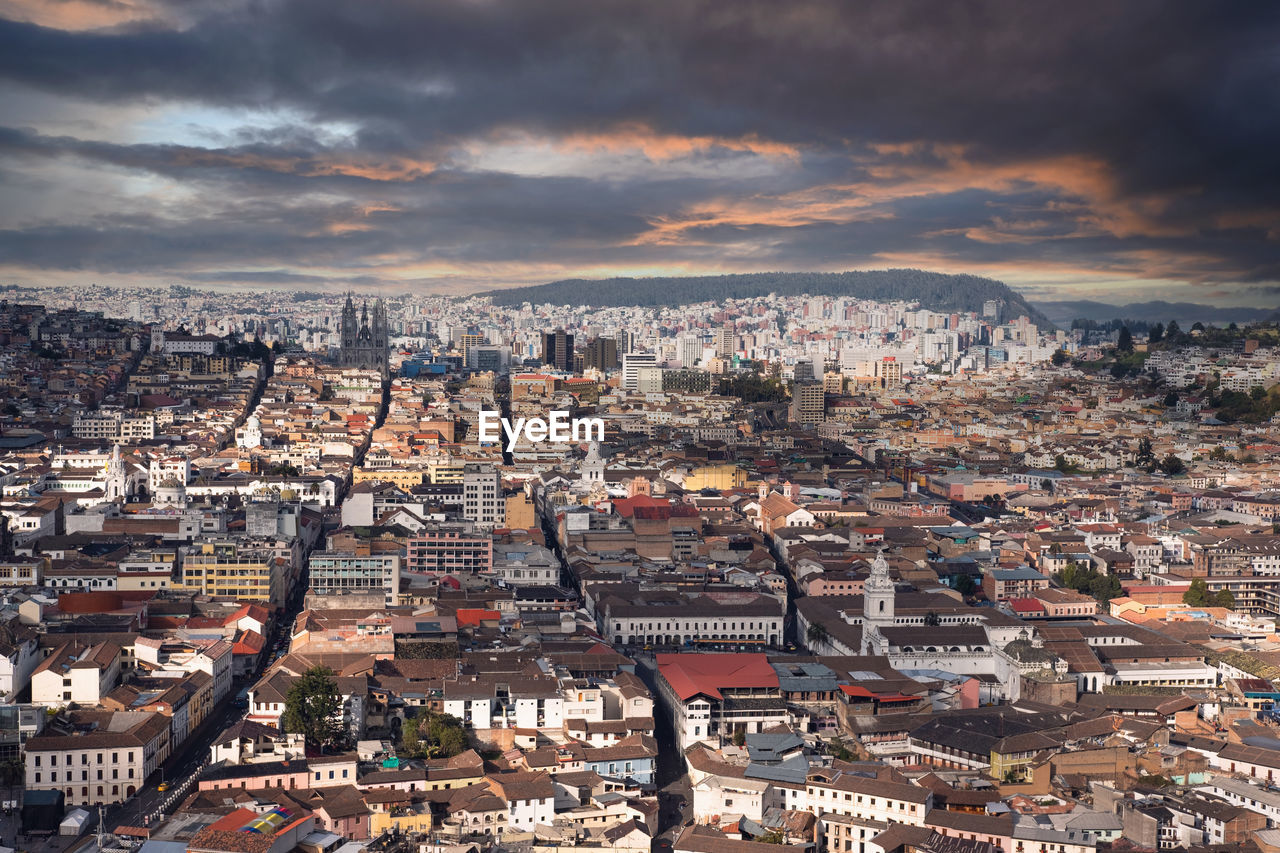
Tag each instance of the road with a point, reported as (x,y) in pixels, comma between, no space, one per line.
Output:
(183,767)
(675,796)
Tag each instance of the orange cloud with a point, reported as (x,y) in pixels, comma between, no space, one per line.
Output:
(389,169)
(76,15)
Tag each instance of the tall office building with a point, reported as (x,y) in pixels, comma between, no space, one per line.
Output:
(726,342)
(482,500)
(808,403)
(689,348)
(557,350)
(631,364)
(626,341)
(601,353)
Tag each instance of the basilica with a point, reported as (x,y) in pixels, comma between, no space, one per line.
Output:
(365,341)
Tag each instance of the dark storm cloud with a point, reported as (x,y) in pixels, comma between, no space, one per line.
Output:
(1134,138)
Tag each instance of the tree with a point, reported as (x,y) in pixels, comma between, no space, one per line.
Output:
(1197,326)
(1172,465)
(1257,392)
(1058,358)
(1060,463)
(1172,331)
(817,634)
(966,585)
(773,836)
(1197,595)
(1224,598)
(1171,399)
(433,735)
(739,737)
(1125,342)
(1146,458)
(312,707)
(1156,334)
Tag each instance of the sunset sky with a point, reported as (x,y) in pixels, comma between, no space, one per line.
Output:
(1112,151)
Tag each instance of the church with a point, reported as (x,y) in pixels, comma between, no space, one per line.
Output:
(365,342)
(961,640)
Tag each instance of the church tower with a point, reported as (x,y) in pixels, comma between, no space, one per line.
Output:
(116,481)
(593,465)
(877,605)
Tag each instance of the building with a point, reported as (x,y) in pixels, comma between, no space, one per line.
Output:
(97,757)
(76,673)
(716,694)
(1004,584)
(632,362)
(359,571)
(725,342)
(808,403)
(226,570)
(365,343)
(482,500)
(450,549)
(557,350)
(601,354)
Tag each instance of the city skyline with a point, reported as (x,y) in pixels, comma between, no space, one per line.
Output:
(1115,154)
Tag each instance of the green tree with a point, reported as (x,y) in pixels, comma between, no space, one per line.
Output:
(312,707)
(965,585)
(739,737)
(1219,454)
(433,735)
(1257,392)
(1145,457)
(1197,326)
(1058,358)
(838,749)
(1172,331)
(1197,595)
(1125,342)
(1156,333)
(1224,598)
(1171,399)
(817,634)
(773,836)
(1172,465)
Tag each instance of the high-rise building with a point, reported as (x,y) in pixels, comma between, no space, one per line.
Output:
(689,349)
(631,364)
(808,403)
(557,350)
(468,341)
(626,341)
(601,353)
(726,343)
(482,500)
(804,370)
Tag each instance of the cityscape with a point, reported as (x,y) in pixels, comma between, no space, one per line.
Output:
(493,426)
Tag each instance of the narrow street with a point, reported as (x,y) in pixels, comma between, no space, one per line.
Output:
(675,795)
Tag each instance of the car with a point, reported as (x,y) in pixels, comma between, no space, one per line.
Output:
(162,787)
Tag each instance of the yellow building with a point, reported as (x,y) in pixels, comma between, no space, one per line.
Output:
(404,818)
(223,571)
(718,477)
(444,472)
(404,478)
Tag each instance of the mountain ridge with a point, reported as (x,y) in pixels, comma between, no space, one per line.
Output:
(940,292)
(1153,311)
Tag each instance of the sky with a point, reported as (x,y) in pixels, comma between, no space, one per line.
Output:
(1082,150)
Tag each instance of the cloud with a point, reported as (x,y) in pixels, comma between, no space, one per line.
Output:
(510,139)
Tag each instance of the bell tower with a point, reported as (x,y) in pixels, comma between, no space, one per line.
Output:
(877,605)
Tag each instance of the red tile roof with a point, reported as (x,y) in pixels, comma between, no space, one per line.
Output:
(691,674)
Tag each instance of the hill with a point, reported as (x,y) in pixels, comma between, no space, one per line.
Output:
(934,291)
(1156,311)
